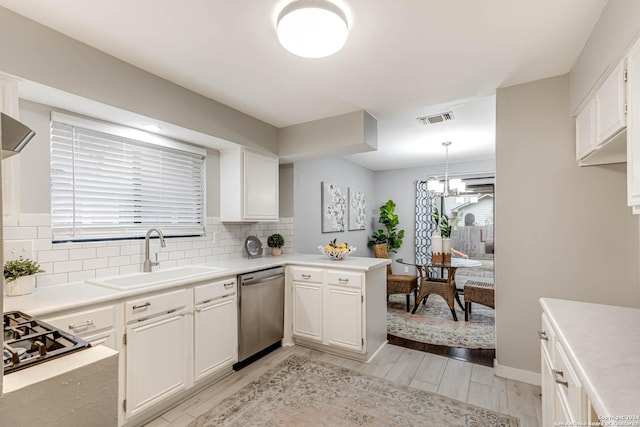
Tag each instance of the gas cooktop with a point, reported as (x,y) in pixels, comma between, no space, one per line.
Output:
(28,341)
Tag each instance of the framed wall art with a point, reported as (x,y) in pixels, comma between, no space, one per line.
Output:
(357,210)
(334,205)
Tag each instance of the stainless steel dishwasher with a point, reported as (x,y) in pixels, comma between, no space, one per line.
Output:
(260,311)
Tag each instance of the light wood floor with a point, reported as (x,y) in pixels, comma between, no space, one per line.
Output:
(463,381)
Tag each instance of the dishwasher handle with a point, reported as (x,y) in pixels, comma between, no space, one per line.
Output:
(262,280)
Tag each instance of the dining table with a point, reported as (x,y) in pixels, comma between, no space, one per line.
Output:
(445,287)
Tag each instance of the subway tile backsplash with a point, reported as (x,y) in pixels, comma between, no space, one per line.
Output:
(73,262)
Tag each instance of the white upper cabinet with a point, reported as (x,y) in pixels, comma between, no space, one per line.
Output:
(585,131)
(633,131)
(610,103)
(601,125)
(248,186)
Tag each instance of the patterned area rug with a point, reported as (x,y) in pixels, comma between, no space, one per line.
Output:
(302,392)
(433,323)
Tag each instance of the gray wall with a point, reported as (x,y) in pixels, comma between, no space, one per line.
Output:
(34,52)
(561,231)
(617,28)
(307,207)
(286,190)
(399,185)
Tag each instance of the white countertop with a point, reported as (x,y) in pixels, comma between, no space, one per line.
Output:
(54,299)
(603,343)
(55,367)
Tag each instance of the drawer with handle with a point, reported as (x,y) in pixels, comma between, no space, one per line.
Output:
(85,322)
(569,386)
(146,307)
(211,291)
(547,338)
(313,275)
(344,278)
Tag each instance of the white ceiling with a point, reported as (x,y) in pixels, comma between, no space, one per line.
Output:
(403,59)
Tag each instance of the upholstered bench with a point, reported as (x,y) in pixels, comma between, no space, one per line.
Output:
(478,292)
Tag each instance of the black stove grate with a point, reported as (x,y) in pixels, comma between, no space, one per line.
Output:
(28,341)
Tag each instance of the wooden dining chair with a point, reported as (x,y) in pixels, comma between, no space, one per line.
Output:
(398,283)
(445,288)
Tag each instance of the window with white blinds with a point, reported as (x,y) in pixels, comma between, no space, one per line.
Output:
(112,182)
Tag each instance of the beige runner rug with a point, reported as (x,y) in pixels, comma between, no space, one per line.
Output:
(304,392)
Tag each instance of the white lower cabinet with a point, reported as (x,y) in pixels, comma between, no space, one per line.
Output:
(344,317)
(215,328)
(156,371)
(563,397)
(328,307)
(158,350)
(307,310)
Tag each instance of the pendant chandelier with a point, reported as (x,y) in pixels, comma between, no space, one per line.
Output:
(448,187)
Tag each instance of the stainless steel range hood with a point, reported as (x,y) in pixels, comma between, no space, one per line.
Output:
(13,135)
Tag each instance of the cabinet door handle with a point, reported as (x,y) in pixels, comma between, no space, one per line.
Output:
(136,307)
(343,280)
(228,285)
(558,376)
(543,335)
(88,323)
(306,276)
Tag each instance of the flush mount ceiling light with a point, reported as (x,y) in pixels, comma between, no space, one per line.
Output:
(312,28)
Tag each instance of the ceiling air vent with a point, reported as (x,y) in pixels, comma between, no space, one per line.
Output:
(436,118)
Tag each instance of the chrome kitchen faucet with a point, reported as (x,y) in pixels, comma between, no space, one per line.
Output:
(147,263)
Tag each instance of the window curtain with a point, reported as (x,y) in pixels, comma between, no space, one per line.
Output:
(425,225)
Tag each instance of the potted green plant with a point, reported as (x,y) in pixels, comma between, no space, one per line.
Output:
(444,226)
(389,219)
(276,242)
(19,276)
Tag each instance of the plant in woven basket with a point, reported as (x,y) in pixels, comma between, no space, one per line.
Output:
(19,268)
(389,219)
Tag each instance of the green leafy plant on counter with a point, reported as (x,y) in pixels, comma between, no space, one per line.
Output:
(389,219)
(275,241)
(20,267)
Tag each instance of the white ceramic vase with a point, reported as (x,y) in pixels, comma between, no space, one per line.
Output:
(276,251)
(446,249)
(21,286)
(436,248)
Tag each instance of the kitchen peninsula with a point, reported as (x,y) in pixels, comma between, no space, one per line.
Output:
(590,368)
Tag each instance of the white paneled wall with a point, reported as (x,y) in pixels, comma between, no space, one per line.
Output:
(72,262)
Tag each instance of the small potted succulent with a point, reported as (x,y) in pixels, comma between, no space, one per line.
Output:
(276,242)
(19,276)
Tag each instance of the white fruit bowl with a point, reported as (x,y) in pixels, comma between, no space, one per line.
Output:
(337,254)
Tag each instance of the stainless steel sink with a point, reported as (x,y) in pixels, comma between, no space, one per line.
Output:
(140,280)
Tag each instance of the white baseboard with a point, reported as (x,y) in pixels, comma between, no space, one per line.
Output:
(516,374)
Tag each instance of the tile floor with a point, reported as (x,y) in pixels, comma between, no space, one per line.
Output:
(464,381)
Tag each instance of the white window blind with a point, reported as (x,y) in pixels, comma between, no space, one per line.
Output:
(106,185)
